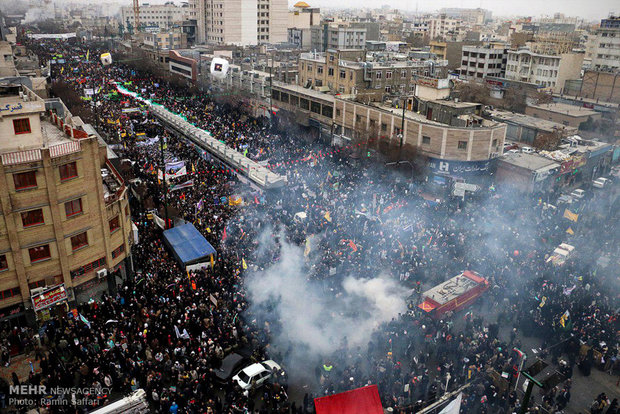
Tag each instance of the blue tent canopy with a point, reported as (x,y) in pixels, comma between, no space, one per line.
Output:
(188,245)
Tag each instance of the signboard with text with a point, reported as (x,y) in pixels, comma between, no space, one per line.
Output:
(49,297)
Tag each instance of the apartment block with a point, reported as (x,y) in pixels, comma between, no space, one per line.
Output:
(337,36)
(480,62)
(606,53)
(548,71)
(65,226)
(163,16)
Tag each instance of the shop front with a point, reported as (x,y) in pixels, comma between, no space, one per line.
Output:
(49,302)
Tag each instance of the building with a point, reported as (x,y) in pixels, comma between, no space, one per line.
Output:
(548,71)
(473,16)
(565,114)
(450,51)
(603,86)
(301,38)
(526,129)
(451,151)
(163,16)
(526,173)
(184,66)
(446,28)
(351,72)
(173,39)
(7,62)
(241,22)
(479,62)
(337,36)
(606,53)
(303,16)
(65,228)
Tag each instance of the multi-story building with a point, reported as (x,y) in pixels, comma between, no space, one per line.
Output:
(301,38)
(446,28)
(350,72)
(172,39)
(163,16)
(241,22)
(606,54)
(65,225)
(450,51)
(474,16)
(479,62)
(466,147)
(337,36)
(303,16)
(548,71)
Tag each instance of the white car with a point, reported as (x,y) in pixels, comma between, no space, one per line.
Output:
(256,374)
(527,150)
(601,182)
(578,193)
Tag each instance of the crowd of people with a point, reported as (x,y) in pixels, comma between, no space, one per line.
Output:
(361,220)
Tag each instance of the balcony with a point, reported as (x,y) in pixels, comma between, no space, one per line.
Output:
(113,184)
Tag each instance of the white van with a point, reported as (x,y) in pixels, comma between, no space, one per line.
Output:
(578,193)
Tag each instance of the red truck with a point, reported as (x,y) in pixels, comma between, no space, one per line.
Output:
(454,294)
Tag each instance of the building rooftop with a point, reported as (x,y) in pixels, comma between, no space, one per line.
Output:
(532,162)
(455,104)
(566,109)
(304,91)
(529,121)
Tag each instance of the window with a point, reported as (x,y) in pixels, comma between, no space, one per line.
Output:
(494,143)
(39,253)
(388,89)
(343,74)
(9,293)
(319,69)
(118,251)
(68,171)
(73,207)
(21,126)
(462,145)
(4,265)
(388,75)
(383,127)
(32,218)
(79,241)
(114,224)
(379,75)
(330,71)
(338,113)
(25,180)
(403,73)
(426,140)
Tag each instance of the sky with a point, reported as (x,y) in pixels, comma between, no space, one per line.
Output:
(593,9)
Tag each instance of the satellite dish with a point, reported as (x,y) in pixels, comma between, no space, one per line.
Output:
(219,68)
(106,59)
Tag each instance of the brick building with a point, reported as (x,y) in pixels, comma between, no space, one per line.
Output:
(65,227)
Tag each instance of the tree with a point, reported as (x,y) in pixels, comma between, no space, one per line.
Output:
(549,141)
(514,99)
(473,92)
(543,98)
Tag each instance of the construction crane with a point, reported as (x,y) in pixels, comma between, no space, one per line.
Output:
(136,14)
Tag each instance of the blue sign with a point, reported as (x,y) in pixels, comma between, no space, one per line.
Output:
(460,168)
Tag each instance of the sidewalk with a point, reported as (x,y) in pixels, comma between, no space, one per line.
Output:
(20,364)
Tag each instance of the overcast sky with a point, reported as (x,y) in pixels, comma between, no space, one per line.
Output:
(591,9)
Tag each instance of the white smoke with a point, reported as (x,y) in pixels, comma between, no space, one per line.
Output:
(310,323)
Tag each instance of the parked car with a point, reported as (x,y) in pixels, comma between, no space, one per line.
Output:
(601,182)
(565,199)
(527,150)
(230,364)
(578,193)
(256,374)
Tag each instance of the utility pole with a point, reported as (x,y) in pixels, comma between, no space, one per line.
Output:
(163,172)
(402,129)
(528,392)
(270,92)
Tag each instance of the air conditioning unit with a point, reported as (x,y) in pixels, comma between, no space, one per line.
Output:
(101,274)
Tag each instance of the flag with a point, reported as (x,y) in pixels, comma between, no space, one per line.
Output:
(570,215)
(542,302)
(224,234)
(245,266)
(183,335)
(570,231)
(352,245)
(327,216)
(83,319)
(212,260)
(87,55)
(308,247)
(199,204)
(186,184)
(563,319)
(567,291)
(62,69)
(193,168)
(454,407)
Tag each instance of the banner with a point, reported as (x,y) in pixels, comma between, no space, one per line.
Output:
(186,184)
(570,215)
(454,407)
(160,222)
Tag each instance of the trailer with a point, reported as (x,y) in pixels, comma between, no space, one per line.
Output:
(454,294)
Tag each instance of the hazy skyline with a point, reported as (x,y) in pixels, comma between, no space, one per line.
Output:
(576,8)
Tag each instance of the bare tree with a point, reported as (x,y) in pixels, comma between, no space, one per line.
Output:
(473,92)
(514,99)
(549,140)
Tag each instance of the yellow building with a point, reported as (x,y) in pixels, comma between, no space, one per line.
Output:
(65,226)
